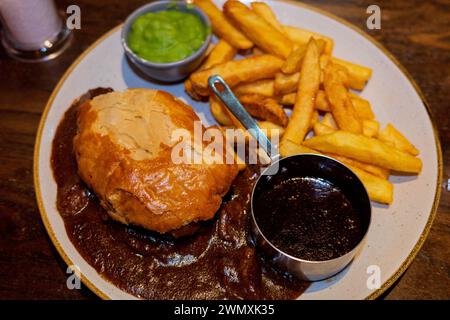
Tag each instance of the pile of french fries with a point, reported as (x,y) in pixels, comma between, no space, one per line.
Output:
(288,67)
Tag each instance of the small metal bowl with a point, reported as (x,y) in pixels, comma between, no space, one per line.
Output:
(317,166)
(171,71)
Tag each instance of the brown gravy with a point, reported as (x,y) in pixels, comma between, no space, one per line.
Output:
(308,218)
(218,262)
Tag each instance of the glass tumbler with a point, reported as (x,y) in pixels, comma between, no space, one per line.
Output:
(32,30)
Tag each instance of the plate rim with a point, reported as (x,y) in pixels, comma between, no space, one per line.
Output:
(378,292)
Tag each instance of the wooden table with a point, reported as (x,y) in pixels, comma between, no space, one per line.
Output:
(416,32)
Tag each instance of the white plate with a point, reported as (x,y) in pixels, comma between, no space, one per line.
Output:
(397,231)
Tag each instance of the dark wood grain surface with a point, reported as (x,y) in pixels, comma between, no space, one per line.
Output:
(416,32)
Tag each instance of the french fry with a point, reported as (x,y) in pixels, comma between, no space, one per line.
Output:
(231,148)
(320,129)
(379,189)
(322,103)
(258,30)
(308,86)
(370,168)
(271,128)
(264,11)
(258,106)
(324,60)
(370,128)
(222,27)
(362,107)
(286,83)
(218,111)
(264,108)
(263,87)
(288,99)
(289,148)
(257,51)
(237,71)
(364,149)
(321,45)
(341,105)
(189,88)
(358,75)
(302,36)
(328,120)
(315,118)
(391,136)
(222,52)
(293,63)
(235,122)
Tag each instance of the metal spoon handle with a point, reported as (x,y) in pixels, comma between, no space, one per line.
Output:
(232,103)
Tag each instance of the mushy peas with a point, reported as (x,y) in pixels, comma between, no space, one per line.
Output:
(167,36)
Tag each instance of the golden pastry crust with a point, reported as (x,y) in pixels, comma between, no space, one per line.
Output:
(123,150)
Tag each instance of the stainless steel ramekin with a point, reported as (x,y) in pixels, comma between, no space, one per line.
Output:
(317,166)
